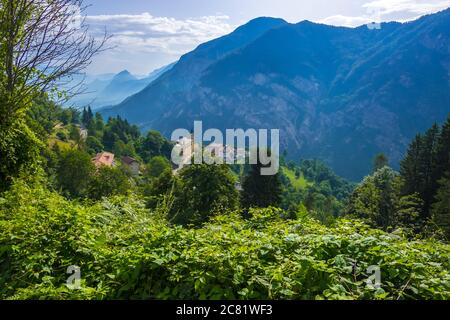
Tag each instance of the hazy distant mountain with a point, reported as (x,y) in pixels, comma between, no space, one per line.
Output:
(338,94)
(109,89)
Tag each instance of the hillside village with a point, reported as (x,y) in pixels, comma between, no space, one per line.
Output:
(108,159)
(79,136)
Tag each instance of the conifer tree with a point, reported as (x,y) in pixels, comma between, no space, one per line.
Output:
(418,169)
(261,191)
(410,167)
(441,208)
(428,186)
(442,157)
(87,117)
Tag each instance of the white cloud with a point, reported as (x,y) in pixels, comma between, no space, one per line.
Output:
(346,21)
(415,7)
(142,42)
(388,10)
(146,33)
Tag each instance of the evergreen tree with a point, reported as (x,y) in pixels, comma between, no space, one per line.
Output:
(410,167)
(428,186)
(87,117)
(261,191)
(109,139)
(442,157)
(99,123)
(441,208)
(93,145)
(424,165)
(408,212)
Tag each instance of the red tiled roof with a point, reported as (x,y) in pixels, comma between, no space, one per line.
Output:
(104,159)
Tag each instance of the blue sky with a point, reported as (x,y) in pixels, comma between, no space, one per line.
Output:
(148,34)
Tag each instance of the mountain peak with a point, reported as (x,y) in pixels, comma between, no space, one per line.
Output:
(124,75)
(265,19)
(261,24)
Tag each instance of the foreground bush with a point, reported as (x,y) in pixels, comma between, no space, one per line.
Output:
(124,251)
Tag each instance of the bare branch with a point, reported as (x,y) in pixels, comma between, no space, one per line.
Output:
(43,43)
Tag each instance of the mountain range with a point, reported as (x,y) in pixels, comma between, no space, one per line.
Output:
(110,89)
(338,94)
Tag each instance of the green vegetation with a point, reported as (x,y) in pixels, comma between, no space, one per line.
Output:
(74,172)
(441,208)
(261,191)
(128,252)
(107,182)
(193,236)
(201,192)
(140,230)
(297,181)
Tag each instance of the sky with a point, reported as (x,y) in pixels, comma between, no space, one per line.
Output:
(148,34)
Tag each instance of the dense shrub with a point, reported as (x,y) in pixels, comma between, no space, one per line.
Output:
(74,172)
(125,251)
(108,181)
(203,191)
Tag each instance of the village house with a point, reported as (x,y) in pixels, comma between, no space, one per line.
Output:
(225,152)
(104,159)
(132,164)
(187,147)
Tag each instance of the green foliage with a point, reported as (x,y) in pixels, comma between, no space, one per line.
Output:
(321,206)
(121,149)
(74,172)
(202,192)
(442,157)
(296,178)
(117,135)
(157,189)
(75,136)
(441,208)
(314,186)
(87,118)
(425,163)
(154,144)
(94,145)
(317,172)
(156,166)
(261,191)
(375,200)
(61,136)
(19,152)
(68,115)
(124,252)
(378,200)
(108,182)
(42,117)
(408,211)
